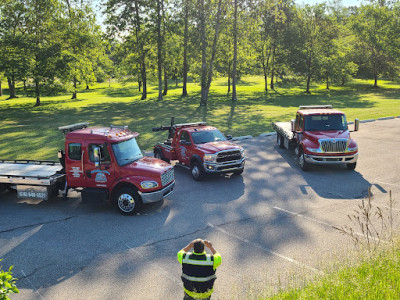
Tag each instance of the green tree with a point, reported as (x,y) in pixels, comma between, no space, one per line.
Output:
(125,16)
(82,44)
(14,50)
(43,28)
(310,40)
(377,29)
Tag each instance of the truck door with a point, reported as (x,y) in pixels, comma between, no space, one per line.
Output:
(98,174)
(299,127)
(184,150)
(74,164)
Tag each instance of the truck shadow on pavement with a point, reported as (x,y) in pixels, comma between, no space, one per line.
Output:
(333,181)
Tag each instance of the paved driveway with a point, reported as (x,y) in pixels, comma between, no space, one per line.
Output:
(269,224)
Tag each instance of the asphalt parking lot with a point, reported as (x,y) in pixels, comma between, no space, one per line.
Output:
(272,224)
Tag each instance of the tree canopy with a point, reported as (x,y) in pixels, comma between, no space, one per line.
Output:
(58,42)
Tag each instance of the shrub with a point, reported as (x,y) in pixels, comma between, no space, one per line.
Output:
(7,283)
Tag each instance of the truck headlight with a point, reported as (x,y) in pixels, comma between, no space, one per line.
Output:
(314,150)
(242,152)
(149,184)
(209,157)
(353,149)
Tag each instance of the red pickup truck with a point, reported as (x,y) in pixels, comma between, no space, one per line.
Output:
(320,135)
(201,148)
(105,161)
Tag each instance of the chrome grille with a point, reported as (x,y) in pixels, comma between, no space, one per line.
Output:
(167,177)
(226,156)
(333,145)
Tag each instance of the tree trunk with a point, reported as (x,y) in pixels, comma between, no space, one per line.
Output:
(11,87)
(213,51)
(308,84)
(141,51)
(327,82)
(159,51)
(229,77)
(37,91)
(375,80)
(144,79)
(185,42)
(87,87)
(203,99)
(1,89)
(74,94)
(165,83)
(234,98)
(273,68)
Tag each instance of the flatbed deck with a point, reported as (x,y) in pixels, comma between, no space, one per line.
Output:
(29,172)
(284,128)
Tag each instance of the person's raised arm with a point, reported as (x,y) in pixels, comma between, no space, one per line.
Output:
(209,245)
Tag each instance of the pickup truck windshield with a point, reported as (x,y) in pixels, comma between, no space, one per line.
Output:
(325,122)
(127,152)
(202,137)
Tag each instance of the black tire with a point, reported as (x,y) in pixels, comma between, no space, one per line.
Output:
(279,140)
(127,201)
(197,171)
(238,172)
(302,161)
(351,166)
(158,154)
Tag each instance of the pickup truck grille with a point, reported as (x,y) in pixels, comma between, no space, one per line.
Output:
(167,177)
(333,145)
(229,156)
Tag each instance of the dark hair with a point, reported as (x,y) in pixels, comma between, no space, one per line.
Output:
(198,246)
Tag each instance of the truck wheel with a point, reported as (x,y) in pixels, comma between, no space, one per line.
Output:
(302,161)
(197,171)
(158,154)
(128,201)
(351,166)
(279,140)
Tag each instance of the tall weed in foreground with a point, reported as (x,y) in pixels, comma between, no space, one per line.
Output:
(7,283)
(375,223)
(374,274)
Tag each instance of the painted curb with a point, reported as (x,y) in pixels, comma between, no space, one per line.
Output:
(386,118)
(367,121)
(268,133)
(242,138)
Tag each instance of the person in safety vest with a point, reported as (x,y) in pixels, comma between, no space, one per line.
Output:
(198,269)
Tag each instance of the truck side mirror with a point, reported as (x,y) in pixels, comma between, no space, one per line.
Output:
(356,124)
(229,137)
(96,156)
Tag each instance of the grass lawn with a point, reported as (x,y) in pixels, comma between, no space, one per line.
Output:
(372,277)
(31,132)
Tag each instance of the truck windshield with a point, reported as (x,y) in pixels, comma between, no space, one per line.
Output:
(325,122)
(202,137)
(127,152)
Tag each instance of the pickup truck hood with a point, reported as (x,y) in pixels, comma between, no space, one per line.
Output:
(214,147)
(146,166)
(314,136)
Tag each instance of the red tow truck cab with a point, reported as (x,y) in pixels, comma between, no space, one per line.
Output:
(202,148)
(107,162)
(320,135)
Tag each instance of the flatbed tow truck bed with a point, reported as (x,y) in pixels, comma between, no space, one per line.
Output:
(34,178)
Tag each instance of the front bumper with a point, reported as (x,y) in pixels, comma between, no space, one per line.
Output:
(226,167)
(157,195)
(330,160)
